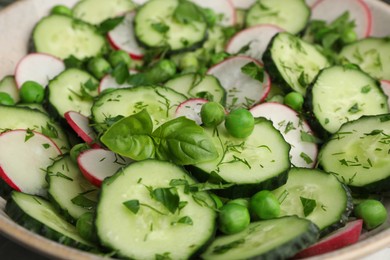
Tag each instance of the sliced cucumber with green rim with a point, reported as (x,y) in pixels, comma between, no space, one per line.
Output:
(39,216)
(317,196)
(160,102)
(278,12)
(260,161)
(358,154)
(69,190)
(279,238)
(149,211)
(170,23)
(63,36)
(341,93)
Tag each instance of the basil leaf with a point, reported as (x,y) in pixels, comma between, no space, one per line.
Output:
(254,71)
(84,202)
(185,220)
(183,142)
(308,205)
(120,73)
(187,12)
(109,24)
(168,197)
(130,137)
(132,205)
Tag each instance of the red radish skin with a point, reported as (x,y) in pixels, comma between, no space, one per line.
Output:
(22,164)
(98,164)
(329,10)
(224,7)
(257,37)
(385,84)
(290,125)
(241,89)
(342,237)
(38,67)
(191,109)
(122,38)
(80,124)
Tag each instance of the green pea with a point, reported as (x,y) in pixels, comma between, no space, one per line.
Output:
(212,114)
(265,205)
(373,213)
(62,10)
(294,100)
(240,123)
(189,62)
(117,57)
(99,67)
(349,36)
(6,99)
(241,201)
(77,149)
(233,218)
(32,92)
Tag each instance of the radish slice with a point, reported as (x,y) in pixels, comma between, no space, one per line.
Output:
(24,158)
(223,7)
(98,164)
(255,37)
(242,90)
(359,11)
(38,67)
(342,237)
(385,84)
(122,37)
(80,124)
(293,128)
(242,4)
(310,2)
(108,82)
(191,109)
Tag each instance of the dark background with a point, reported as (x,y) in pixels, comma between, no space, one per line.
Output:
(8,249)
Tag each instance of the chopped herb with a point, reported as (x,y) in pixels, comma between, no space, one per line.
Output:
(254,71)
(307,137)
(29,135)
(132,205)
(84,202)
(308,205)
(160,27)
(187,12)
(184,220)
(109,24)
(365,89)
(290,126)
(46,146)
(168,197)
(120,73)
(306,158)
(354,109)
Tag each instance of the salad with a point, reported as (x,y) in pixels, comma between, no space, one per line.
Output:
(176,129)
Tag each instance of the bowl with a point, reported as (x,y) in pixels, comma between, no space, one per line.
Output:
(17,22)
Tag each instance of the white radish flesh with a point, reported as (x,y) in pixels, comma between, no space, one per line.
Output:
(191,109)
(292,127)
(241,89)
(359,11)
(80,124)
(24,157)
(38,67)
(98,164)
(255,37)
(109,82)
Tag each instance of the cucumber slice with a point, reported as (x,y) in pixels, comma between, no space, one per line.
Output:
(196,86)
(293,63)
(160,102)
(331,201)
(25,118)
(150,230)
(341,94)
(156,25)
(358,154)
(72,90)
(260,161)
(39,216)
(279,238)
(371,54)
(62,36)
(69,190)
(291,15)
(8,85)
(96,11)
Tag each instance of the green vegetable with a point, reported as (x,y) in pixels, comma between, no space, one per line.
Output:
(117,57)
(62,10)
(6,99)
(241,201)
(294,100)
(240,123)
(212,114)
(160,72)
(77,149)
(86,228)
(180,140)
(99,67)
(265,205)
(373,213)
(32,92)
(233,218)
